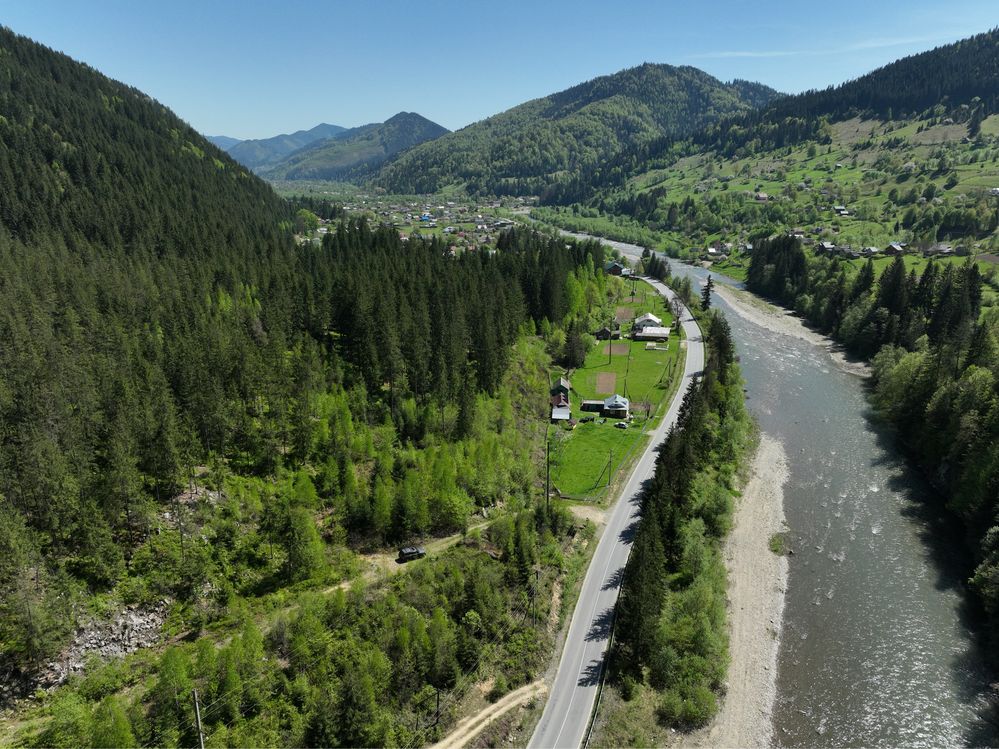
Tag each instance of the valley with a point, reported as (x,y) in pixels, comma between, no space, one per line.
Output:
(659,410)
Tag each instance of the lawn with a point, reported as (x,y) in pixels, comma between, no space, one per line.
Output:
(580,457)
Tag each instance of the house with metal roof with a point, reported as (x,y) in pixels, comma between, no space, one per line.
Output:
(646,320)
(616,407)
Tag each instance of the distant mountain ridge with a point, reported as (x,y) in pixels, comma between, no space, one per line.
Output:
(521,150)
(356,153)
(222,141)
(260,153)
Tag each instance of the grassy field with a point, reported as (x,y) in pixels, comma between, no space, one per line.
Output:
(581,457)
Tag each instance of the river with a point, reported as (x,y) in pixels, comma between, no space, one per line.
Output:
(879,647)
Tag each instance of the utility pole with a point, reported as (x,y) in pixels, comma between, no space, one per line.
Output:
(610,466)
(197,719)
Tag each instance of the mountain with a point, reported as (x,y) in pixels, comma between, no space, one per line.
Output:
(357,152)
(222,141)
(257,154)
(139,265)
(955,81)
(201,418)
(522,149)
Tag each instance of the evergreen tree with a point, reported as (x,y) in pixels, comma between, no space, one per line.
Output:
(706,294)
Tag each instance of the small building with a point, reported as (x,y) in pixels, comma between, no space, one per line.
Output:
(895,248)
(562,385)
(616,407)
(828,247)
(762,197)
(560,400)
(606,334)
(652,333)
(939,250)
(646,320)
(593,406)
(561,413)
(614,268)
(870,252)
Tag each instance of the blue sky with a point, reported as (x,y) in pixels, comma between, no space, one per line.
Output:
(253,69)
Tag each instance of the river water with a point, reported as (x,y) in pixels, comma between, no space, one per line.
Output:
(878,647)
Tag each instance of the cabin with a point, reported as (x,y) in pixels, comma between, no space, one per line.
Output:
(596,406)
(828,247)
(561,413)
(870,252)
(560,400)
(562,385)
(614,268)
(939,250)
(616,407)
(894,249)
(606,334)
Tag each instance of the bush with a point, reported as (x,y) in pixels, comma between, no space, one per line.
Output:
(629,688)
(500,687)
(688,707)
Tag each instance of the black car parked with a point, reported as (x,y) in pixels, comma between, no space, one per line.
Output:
(409,553)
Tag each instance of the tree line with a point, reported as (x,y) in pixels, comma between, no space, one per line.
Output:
(935,365)
(670,623)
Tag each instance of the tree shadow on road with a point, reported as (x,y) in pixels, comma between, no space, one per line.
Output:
(601,627)
(590,676)
(615,579)
(628,533)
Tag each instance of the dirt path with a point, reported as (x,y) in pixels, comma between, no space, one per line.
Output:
(383,564)
(757,579)
(468,728)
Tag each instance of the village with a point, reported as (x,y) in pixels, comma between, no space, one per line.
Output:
(467,226)
(600,412)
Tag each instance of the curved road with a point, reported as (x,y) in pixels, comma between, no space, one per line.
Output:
(567,713)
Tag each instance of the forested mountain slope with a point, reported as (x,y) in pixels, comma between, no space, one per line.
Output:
(262,152)
(134,257)
(957,81)
(355,153)
(201,416)
(519,151)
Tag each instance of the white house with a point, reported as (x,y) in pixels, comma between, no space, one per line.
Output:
(646,320)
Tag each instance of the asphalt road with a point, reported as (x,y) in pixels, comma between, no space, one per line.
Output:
(574,691)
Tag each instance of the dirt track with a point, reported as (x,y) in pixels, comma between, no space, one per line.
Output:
(468,728)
